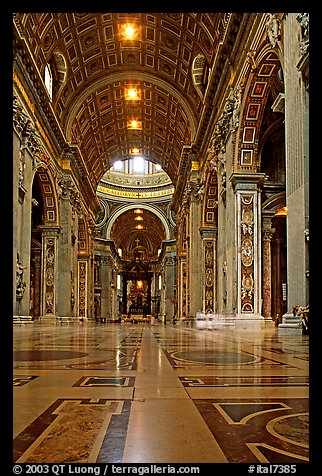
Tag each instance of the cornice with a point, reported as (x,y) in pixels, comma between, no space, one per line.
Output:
(219,76)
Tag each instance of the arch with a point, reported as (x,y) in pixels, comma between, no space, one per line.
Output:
(132,206)
(49,196)
(275,202)
(257,90)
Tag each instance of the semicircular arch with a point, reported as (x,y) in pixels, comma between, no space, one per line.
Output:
(133,206)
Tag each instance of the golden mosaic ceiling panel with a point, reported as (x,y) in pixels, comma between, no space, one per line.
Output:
(98,65)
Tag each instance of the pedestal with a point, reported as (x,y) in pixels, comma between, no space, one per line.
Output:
(290,325)
(249,321)
(22,320)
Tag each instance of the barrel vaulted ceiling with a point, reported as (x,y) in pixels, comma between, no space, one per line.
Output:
(169,61)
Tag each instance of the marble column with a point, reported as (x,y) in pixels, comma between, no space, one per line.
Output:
(267,233)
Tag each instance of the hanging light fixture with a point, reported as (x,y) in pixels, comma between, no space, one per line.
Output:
(132,94)
(135,151)
(139,284)
(134,125)
(129,31)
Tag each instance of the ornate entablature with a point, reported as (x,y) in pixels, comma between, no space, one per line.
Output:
(186,158)
(57,143)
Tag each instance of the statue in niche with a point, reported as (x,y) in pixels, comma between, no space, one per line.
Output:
(273,29)
(20,284)
(224,268)
(237,107)
(303,19)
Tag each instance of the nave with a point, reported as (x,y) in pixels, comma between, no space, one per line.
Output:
(124,393)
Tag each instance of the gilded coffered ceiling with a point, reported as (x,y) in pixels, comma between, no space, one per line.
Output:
(169,62)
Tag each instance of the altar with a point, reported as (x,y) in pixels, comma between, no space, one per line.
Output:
(135,318)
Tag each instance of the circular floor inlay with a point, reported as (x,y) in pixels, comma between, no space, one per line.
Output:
(39,355)
(214,356)
(292,428)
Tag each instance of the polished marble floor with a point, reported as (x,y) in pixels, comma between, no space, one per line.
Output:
(125,393)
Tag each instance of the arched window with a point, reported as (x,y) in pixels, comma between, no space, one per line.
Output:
(55,74)
(200,72)
(49,81)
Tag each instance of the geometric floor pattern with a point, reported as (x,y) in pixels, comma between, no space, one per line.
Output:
(141,393)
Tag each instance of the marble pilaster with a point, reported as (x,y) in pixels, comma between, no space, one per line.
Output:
(82,289)
(209,263)
(296,79)
(182,287)
(67,254)
(248,226)
(37,283)
(194,254)
(50,271)
(170,274)
(106,287)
